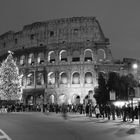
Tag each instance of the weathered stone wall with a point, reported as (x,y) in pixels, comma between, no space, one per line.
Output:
(69,34)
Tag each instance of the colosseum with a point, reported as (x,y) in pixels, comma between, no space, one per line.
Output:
(59,59)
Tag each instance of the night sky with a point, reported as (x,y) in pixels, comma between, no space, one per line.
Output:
(119,19)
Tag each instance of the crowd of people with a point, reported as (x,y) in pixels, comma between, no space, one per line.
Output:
(126,112)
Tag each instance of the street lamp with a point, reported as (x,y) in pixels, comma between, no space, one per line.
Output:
(131,89)
(135,68)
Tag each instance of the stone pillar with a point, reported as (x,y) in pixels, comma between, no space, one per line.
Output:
(57,78)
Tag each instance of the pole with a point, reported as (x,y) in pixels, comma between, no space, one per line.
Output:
(139,111)
(132,103)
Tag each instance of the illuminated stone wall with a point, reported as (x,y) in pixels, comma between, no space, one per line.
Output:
(59,58)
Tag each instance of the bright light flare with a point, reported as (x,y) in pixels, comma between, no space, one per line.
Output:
(135,66)
(120,103)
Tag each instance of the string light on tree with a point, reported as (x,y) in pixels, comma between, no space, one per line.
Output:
(10,80)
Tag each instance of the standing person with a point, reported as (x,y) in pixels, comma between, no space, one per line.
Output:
(108,110)
(132,114)
(64,111)
(113,111)
(87,110)
(124,108)
(136,112)
(81,108)
(102,111)
(90,110)
(129,112)
(56,108)
(97,111)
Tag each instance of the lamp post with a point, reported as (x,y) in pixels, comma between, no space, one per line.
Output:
(135,68)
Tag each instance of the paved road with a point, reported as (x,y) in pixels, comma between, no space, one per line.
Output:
(37,126)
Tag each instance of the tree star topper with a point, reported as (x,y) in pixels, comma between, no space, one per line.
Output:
(10,52)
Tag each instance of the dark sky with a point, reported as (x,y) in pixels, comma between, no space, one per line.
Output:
(119,19)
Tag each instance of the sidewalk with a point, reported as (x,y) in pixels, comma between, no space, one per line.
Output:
(83,117)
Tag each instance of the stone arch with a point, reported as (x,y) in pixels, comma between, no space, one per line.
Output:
(51,57)
(51,78)
(76,78)
(63,55)
(31,59)
(40,58)
(22,60)
(88,55)
(101,55)
(75,56)
(88,78)
(30,78)
(63,78)
(76,99)
(29,99)
(40,78)
(62,99)
(51,98)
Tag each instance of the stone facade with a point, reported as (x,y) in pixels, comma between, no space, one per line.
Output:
(59,59)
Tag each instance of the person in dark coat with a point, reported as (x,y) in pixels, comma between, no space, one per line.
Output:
(136,112)
(124,113)
(87,110)
(108,110)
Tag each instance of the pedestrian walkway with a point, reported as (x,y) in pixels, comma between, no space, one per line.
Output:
(83,117)
(4,136)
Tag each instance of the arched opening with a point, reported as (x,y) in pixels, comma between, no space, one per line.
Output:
(40,58)
(88,78)
(39,99)
(51,99)
(29,100)
(40,78)
(62,99)
(22,60)
(31,59)
(51,78)
(51,57)
(88,55)
(30,79)
(75,56)
(76,99)
(101,55)
(63,56)
(76,78)
(63,78)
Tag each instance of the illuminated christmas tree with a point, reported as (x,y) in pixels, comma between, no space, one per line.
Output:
(10,80)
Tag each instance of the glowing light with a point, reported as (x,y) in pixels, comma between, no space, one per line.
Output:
(135,66)
(120,103)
